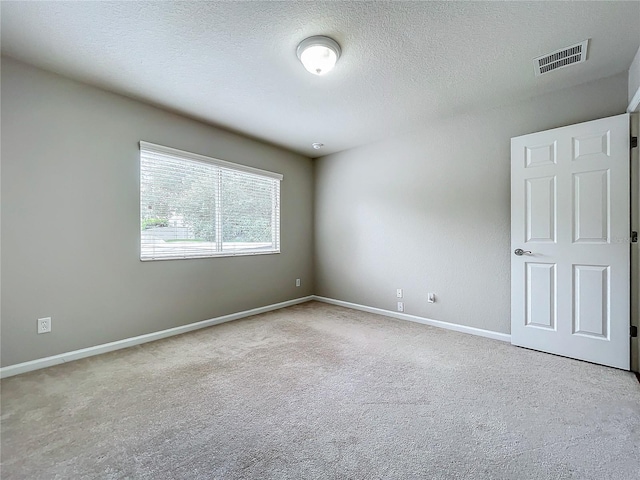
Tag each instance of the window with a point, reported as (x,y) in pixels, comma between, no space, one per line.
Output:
(193,206)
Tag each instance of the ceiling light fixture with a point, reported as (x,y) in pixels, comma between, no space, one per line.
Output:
(317,146)
(318,54)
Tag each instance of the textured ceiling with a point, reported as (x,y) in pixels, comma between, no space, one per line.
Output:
(233,64)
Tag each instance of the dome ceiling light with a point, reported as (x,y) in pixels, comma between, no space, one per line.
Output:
(317,145)
(318,54)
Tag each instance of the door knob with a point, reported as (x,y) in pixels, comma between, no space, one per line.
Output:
(520,252)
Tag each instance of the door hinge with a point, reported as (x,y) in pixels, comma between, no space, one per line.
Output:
(634,331)
(634,237)
(634,142)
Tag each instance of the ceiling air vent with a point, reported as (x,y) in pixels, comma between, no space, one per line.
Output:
(561,58)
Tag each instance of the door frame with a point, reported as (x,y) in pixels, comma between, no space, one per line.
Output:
(635,247)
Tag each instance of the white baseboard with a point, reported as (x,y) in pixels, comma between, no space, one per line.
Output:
(25,367)
(413,318)
(19,368)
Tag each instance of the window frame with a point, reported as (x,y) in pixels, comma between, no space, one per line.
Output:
(177,154)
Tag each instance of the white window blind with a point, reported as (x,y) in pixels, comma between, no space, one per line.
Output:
(192,206)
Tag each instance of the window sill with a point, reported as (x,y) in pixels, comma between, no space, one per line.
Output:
(215,255)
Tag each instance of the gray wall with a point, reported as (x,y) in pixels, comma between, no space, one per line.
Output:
(634,76)
(429,211)
(70,167)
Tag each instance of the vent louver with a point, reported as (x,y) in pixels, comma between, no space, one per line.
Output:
(561,58)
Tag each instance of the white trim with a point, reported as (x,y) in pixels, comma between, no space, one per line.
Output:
(32,365)
(634,104)
(19,368)
(239,253)
(504,337)
(174,152)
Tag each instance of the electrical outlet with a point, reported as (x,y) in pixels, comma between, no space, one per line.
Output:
(401,306)
(431,297)
(399,293)
(44,325)
(297,282)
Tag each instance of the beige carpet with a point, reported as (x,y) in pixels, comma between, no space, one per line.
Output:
(317,391)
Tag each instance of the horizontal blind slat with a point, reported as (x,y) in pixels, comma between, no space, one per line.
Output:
(180,204)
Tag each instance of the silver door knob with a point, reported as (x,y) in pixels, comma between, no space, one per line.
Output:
(520,252)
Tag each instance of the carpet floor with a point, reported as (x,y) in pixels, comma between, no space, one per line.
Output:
(317,391)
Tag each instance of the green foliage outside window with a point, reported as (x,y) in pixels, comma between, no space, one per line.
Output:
(188,194)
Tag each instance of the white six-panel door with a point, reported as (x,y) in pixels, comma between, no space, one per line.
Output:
(570,233)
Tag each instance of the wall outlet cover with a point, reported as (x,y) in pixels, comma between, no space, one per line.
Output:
(44,325)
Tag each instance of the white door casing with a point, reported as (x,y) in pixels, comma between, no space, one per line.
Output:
(570,209)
